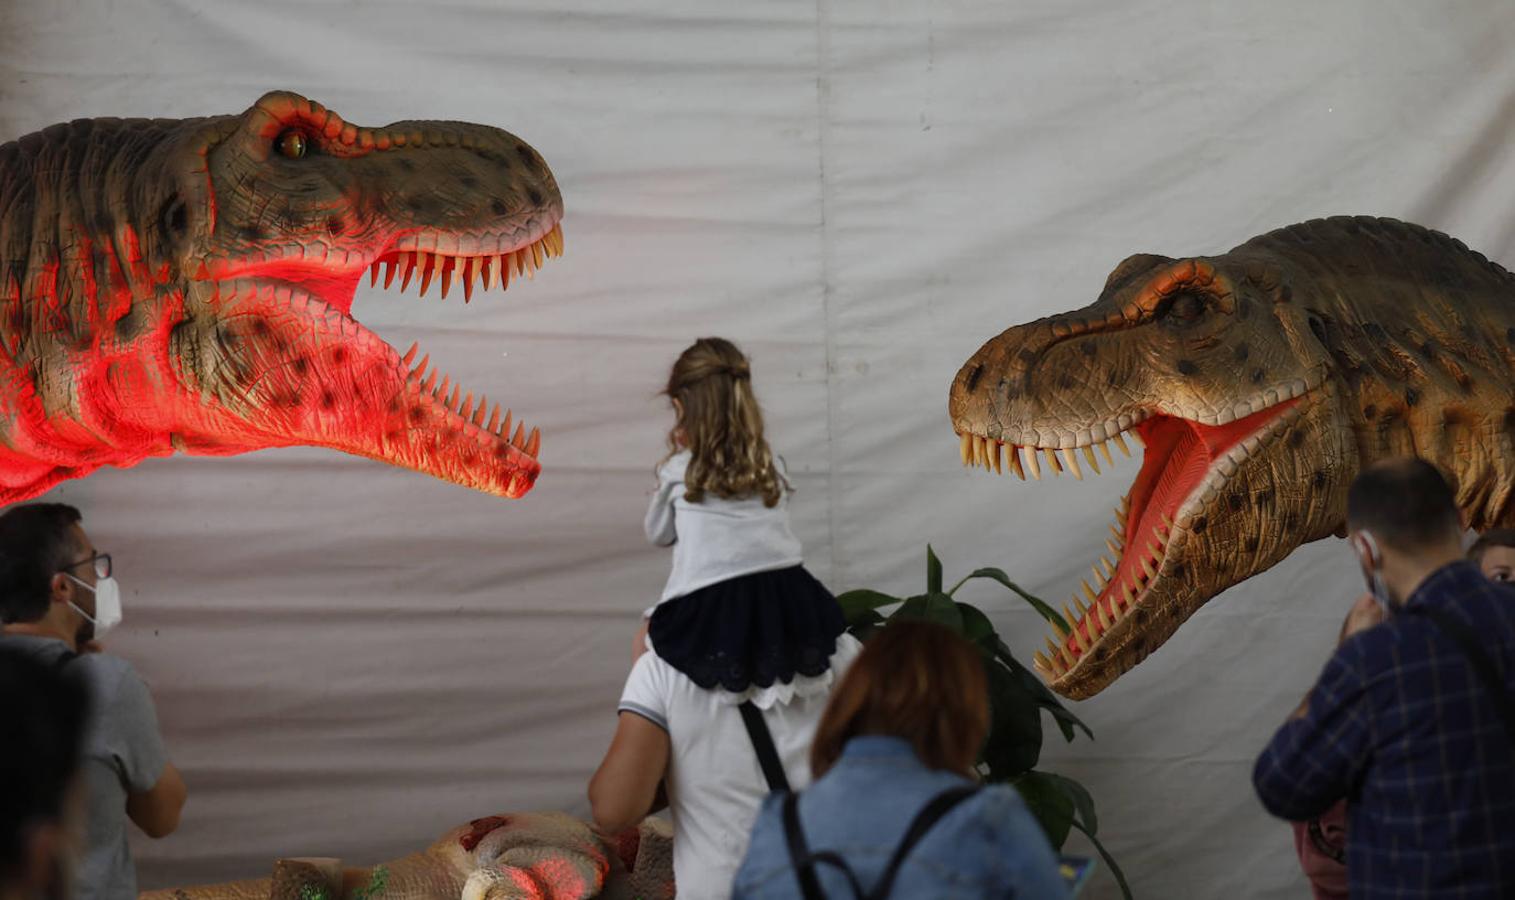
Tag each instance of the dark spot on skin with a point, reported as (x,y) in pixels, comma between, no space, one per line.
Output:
(251,232)
(1257,376)
(526,155)
(175,219)
(1428,350)
(499,208)
(1066,381)
(334,226)
(1185,367)
(417,414)
(259,327)
(1176,571)
(128,325)
(1140,615)
(1285,294)
(339,355)
(301,366)
(1369,411)
(291,400)
(328,400)
(502,450)
(1199,526)
(1318,328)
(1027,356)
(105,225)
(1088,348)
(394,404)
(421,203)
(535,196)
(469,181)
(1264,498)
(1465,383)
(1250,545)
(1291,522)
(405,164)
(1318,479)
(1296,439)
(1236,502)
(1242,352)
(1412,396)
(1099,653)
(1112,378)
(974,375)
(1244,308)
(1509,420)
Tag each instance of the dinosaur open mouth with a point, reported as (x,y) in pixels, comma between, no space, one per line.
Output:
(1184,465)
(473,419)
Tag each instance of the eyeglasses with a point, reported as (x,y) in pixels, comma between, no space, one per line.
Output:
(101,561)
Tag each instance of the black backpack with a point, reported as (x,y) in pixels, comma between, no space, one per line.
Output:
(800,854)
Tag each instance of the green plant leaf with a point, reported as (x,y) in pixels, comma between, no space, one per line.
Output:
(977,627)
(932,607)
(1049,804)
(855,603)
(1120,877)
(1083,804)
(1047,612)
(1066,720)
(933,572)
(1014,743)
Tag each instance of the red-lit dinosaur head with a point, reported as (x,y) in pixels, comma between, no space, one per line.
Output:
(188,284)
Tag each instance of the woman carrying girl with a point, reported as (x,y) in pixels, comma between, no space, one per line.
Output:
(744,640)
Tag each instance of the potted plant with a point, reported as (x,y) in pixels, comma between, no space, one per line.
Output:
(1017,698)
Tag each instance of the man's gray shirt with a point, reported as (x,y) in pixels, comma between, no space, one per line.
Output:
(123,755)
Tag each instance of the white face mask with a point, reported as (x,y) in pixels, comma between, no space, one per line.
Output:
(107,605)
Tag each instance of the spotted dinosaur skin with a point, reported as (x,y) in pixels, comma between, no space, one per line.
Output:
(527,856)
(187,284)
(1260,381)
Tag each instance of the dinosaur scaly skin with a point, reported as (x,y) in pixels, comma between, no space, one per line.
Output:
(528,856)
(1261,382)
(187,284)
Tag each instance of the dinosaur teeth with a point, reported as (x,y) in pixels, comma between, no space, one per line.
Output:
(519,441)
(389,273)
(534,442)
(1120,442)
(468,274)
(505,426)
(1031,463)
(410,354)
(1070,461)
(442,389)
(1015,462)
(966,447)
(494,420)
(373,273)
(428,269)
(1089,457)
(409,261)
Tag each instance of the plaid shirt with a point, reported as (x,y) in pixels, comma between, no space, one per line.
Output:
(1401,726)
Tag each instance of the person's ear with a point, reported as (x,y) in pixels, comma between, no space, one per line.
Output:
(59,590)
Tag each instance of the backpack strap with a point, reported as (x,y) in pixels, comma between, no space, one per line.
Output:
(1467,641)
(64,658)
(804,861)
(939,806)
(762,743)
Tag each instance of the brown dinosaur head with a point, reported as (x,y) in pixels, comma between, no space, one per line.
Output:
(278,215)
(1224,382)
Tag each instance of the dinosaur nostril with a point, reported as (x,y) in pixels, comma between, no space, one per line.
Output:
(974,374)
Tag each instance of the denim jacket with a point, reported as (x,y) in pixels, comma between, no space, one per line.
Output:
(987,846)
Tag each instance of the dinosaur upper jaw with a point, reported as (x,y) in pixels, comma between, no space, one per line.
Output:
(1162,565)
(312,374)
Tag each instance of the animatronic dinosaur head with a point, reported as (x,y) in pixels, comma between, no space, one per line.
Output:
(1244,457)
(188,284)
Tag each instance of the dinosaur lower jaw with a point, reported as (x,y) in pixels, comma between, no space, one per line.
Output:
(1142,581)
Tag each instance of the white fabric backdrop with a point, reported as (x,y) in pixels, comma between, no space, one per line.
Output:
(350,658)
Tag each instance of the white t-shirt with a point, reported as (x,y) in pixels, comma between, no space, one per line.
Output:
(717,539)
(715,784)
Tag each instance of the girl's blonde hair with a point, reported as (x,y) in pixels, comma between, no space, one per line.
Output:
(721,424)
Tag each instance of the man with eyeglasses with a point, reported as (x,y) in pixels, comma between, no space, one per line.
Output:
(57,600)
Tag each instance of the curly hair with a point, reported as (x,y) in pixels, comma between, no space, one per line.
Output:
(719,419)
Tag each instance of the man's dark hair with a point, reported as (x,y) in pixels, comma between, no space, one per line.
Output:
(44,713)
(36,542)
(1495,537)
(1405,503)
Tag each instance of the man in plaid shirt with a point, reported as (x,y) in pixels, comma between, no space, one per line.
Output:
(1399,723)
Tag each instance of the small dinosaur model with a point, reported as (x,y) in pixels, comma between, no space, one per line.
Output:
(187,284)
(528,856)
(1260,382)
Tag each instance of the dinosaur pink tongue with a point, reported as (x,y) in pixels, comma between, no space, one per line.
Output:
(1180,453)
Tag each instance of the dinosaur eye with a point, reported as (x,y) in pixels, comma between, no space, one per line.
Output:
(1186,307)
(291,144)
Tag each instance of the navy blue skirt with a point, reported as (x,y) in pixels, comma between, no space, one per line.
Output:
(750,631)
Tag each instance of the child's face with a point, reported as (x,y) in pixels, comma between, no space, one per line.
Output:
(1498,563)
